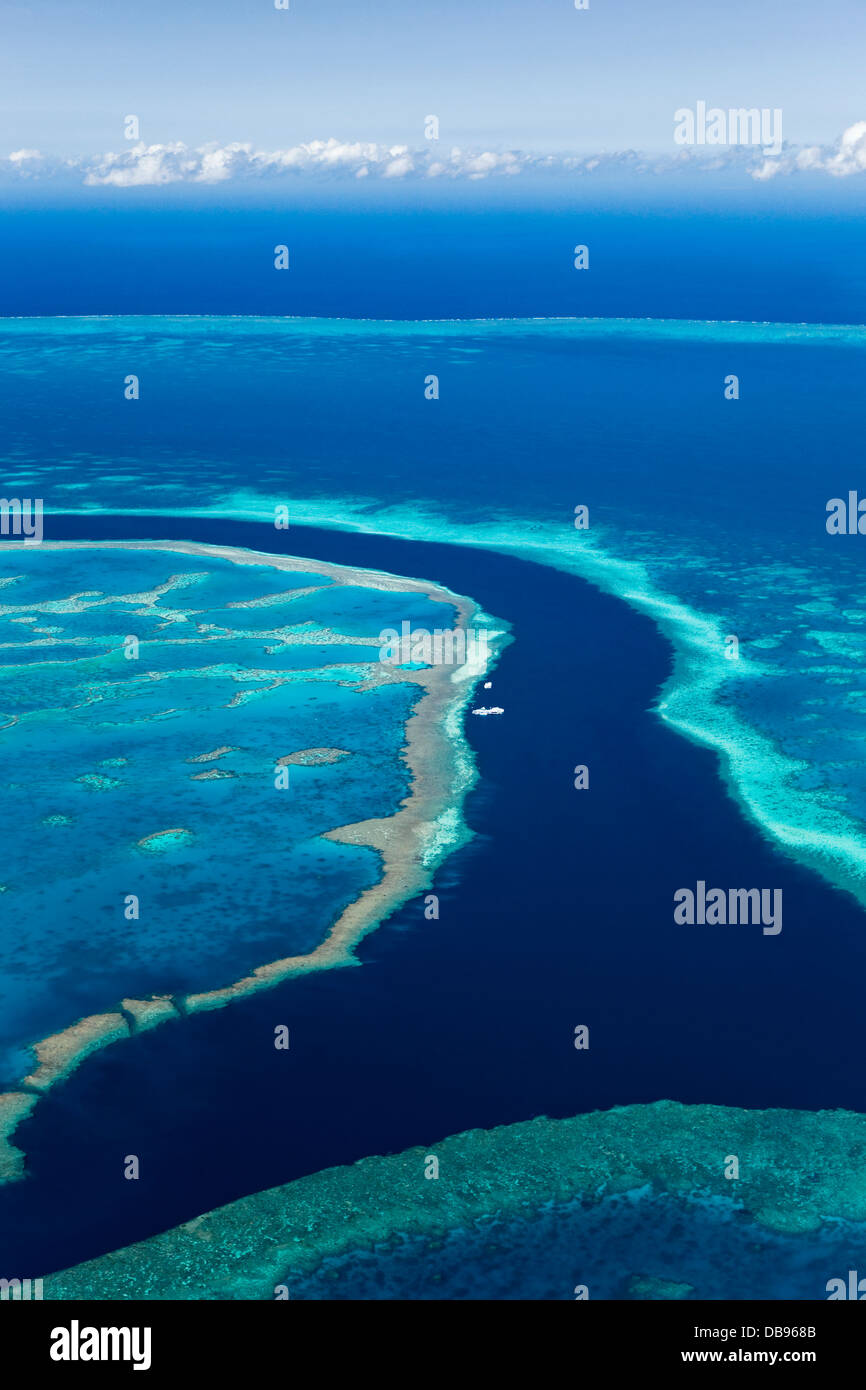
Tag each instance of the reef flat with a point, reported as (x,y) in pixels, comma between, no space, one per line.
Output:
(800,1173)
(199,833)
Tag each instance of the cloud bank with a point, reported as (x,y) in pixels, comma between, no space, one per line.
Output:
(148,166)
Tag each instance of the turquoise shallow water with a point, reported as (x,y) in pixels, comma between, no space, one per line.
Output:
(99,760)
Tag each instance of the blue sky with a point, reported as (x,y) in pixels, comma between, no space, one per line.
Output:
(525,74)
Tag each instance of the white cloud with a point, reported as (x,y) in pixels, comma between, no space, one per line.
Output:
(143,166)
(846,157)
(26,164)
(400,164)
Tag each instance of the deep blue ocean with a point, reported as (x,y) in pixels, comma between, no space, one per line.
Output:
(778,254)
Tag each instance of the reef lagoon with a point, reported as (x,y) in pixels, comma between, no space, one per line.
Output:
(213,782)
